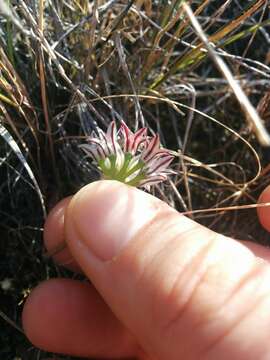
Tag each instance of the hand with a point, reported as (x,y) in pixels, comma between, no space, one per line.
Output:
(164,287)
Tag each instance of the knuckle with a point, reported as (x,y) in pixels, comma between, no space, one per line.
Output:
(203,298)
(247,307)
(178,294)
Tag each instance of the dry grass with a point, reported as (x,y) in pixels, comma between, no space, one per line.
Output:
(66,68)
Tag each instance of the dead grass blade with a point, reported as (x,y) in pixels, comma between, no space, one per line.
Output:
(197,54)
(178,106)
(44,100)
(16,94)
(252,116)
(15,148)
(10,14)
(154,56)
(10,322)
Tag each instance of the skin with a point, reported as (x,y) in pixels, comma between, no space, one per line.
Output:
(161,286)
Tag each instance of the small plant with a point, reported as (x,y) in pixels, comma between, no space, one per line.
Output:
(132,158)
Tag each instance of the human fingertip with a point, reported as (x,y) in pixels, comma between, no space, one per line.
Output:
(111,212)
(69,317)
(54,238)
(264,211)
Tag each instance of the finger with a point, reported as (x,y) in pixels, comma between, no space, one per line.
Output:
(182,290)
(54,236)
(69,317)
(264,212)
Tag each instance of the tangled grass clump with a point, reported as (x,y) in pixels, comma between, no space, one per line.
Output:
(68,68)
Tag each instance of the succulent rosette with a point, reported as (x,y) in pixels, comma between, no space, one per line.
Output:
(132,158)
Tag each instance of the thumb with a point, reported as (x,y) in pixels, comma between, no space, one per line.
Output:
(184,291)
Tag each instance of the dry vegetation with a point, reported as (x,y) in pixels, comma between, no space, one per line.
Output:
(69,66)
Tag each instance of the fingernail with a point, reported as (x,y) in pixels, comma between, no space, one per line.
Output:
(107,215)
